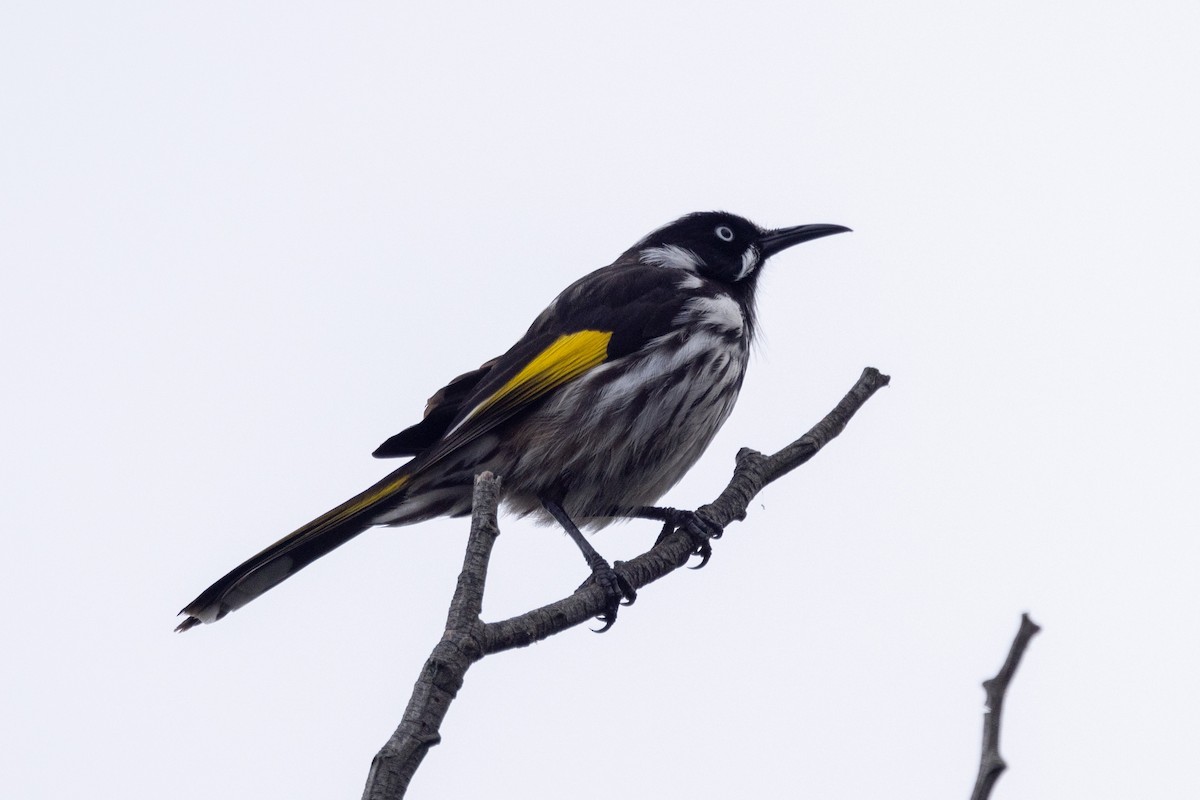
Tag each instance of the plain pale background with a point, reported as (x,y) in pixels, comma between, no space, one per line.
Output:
(241,246)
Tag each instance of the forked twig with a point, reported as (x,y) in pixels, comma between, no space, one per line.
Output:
(468,639)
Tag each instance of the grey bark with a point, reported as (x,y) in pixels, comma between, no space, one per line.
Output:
(990,762)
(468,639)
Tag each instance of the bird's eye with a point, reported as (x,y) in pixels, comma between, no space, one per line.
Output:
(724,233)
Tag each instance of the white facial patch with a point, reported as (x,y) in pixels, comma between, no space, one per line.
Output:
(749,261)
(671,255)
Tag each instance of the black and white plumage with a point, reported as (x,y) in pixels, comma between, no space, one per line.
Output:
(608,399)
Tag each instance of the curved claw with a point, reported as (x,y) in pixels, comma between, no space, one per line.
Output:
(628,593)
(609,617)
(618,592)
(702,530)
(705,553)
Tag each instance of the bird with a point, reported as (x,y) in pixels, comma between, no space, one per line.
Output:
(605,403)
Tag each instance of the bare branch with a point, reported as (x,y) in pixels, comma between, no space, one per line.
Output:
(990,763)
(752,472)
(444,671)
(467,639)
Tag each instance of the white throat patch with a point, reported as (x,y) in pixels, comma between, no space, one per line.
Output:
(671,255)
(721,313)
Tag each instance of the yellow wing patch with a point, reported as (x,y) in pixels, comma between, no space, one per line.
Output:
(371,496)
(563,360)
(567,357)
(360,502)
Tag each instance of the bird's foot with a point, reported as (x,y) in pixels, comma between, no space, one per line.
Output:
(699,528)
(617,590)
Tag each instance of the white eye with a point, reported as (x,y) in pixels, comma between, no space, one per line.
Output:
(724,233)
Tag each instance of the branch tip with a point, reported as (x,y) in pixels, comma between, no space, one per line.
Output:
(991,764)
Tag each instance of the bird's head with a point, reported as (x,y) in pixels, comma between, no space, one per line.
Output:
(722,246)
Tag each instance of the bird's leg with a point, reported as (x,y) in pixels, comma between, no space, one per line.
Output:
(617,590)
(696,525)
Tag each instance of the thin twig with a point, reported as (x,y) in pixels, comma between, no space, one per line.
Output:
(467,639)
(990,762)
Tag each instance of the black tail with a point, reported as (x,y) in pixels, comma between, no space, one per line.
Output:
(295,551)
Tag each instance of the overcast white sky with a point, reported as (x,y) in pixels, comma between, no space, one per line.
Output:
(241,246)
